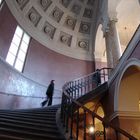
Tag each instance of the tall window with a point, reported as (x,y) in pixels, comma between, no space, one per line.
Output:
(18,49)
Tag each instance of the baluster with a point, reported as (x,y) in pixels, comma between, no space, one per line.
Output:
(84,125)
(104,75)
(88,83)
(78,88)
(71,90)
(71,125)
(77,124)
(82,90)
(62,107)
(74,89)
(93,135)
(64,110)
(104,131)
(85,81)
(116,132)
(67,114)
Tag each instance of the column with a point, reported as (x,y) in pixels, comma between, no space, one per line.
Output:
(108,50)
(113,47)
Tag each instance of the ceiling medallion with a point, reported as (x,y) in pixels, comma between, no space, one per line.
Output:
(70,22)
(44,3)
(83,44)
(64,39)
(47,30)
(32,16)
(56,14)
(85,27)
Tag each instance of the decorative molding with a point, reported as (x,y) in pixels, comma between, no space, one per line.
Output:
(76,9)
(83,44)
(57,14)
(85,27)
(22,3)
(65,38)
(34,16)
(70,22)
(125,114)
(45,4)
(49,30)
(88,13)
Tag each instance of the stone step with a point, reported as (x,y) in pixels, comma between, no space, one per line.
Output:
(34,118)
(28,115)
(29,128)
(24,123)
(28,135)
(52,121)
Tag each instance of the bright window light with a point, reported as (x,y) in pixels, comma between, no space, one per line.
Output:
(18,49)
(10,58)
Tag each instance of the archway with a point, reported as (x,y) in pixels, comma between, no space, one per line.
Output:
(130,89)
(127,98)
(100,49)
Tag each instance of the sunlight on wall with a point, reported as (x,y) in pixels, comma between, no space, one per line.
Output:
(130,84)
(100,49)
(128,20)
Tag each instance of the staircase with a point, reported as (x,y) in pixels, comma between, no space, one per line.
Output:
(31,124)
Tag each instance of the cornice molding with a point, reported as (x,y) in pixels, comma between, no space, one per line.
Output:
(125,115)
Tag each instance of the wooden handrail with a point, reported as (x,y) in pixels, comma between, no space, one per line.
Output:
(72,91)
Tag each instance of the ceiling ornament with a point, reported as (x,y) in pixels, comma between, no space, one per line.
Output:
(85,27)
(70,22)
(88,13)
(45,4)
(33,16)
(57,14)
(65,38)
(84,44)
(49,30)
(22,3)
(76,9)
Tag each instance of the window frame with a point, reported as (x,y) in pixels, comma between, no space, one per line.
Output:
(16,55)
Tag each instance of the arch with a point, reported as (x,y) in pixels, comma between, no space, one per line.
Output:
(100,49)
(127,93)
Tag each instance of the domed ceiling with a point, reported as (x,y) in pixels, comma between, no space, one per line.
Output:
(65,26)
(69,26)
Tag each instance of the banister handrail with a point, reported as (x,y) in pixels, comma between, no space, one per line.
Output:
(71,91)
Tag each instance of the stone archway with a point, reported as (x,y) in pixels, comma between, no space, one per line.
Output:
(127,98)
(100,49)
(128,87)
(129,90)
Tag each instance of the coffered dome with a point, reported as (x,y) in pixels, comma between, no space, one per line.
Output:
(65,26)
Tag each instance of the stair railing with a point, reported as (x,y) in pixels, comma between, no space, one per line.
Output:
(71,109)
